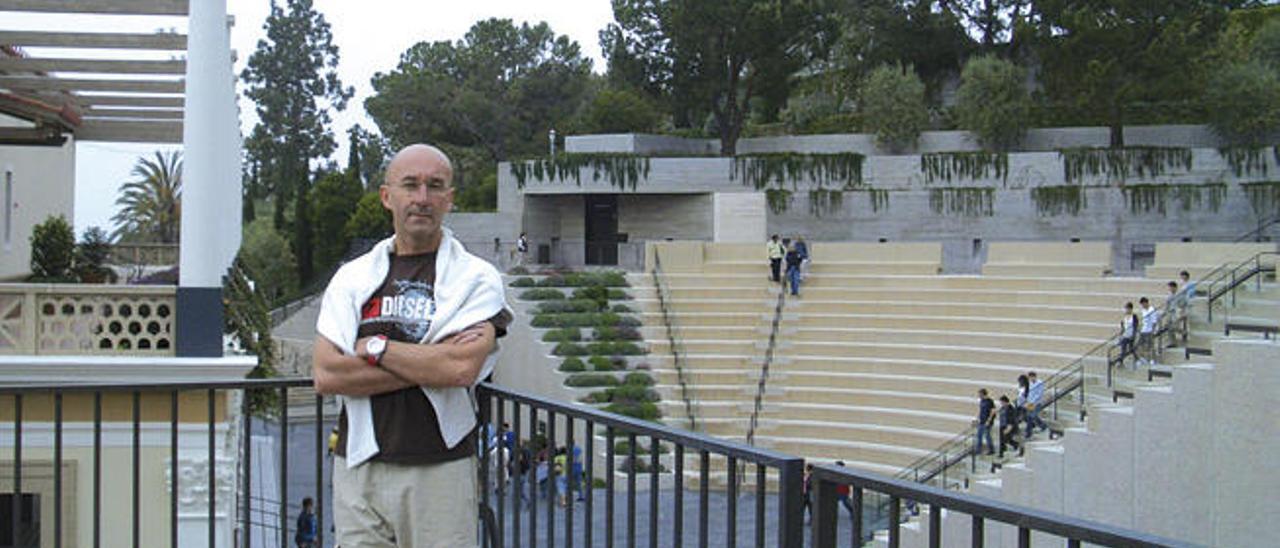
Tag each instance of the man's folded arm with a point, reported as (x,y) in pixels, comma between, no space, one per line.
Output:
(336,373)
(453,362)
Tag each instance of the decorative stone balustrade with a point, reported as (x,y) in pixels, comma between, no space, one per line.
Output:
(76,319)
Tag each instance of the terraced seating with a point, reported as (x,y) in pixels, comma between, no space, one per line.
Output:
(1198,258)
(1052,259)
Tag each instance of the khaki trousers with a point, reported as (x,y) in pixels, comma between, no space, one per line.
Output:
(388,505)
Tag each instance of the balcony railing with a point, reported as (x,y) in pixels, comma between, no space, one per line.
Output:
(144,254)
(76,319)
(175,465)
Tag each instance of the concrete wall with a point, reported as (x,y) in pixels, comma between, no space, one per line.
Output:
(1046,139)
(42,183)
(477,232)
(740,217)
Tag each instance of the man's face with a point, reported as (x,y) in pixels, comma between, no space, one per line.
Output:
(419,193)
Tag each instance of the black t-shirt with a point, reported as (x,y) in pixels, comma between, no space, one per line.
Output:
(404,421)
(985,407)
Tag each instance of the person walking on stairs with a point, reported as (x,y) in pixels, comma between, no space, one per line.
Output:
(986,416)
(1128,330)
(1147,333)
(794,260)
(776,253)
(1034,397)
(1008,426)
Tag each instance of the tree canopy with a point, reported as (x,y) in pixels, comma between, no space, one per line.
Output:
(151,205)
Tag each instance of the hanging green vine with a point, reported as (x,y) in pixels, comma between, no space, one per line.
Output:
(1059,200)
(1245,160)
(1154,198)
(1264,197)
(967,165)
(1122,163)
(779,199)
(962,201)
(623,171)
(879,199)
(761,170)
(825,201)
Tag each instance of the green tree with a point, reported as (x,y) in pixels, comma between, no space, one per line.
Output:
(370,219)
(893,106)
(619,111)
(151,205)
(52,250)
(993,102)
(1244,103)
(1109,56)
(91,256)
(928,36)
(498,89)
(479,196)
(717,57)
(1265,48)
(333,200)
(293,81)
(266,256)
(368,152)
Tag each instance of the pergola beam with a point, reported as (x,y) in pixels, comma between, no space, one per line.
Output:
(115,7)
(80,84)
(38,136)
(103,66)
(103,40)
(131,113)
(130,131)
(139,101)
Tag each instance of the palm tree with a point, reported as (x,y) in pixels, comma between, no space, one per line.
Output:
(151,206)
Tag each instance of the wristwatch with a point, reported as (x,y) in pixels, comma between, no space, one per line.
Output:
(374,348)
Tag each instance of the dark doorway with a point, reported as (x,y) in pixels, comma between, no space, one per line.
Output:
(602,229)
(28,525)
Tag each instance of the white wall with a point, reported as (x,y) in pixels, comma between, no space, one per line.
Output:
(43,184)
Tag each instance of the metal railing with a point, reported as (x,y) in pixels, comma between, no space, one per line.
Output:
(1226,278)
(192,421)
(1255,235)
(567,423)
(827,482)
(675,339)
(763,382)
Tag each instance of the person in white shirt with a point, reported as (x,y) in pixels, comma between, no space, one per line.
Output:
(1147,333)
(1128,332)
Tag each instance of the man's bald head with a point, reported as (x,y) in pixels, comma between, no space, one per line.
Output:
(414,152)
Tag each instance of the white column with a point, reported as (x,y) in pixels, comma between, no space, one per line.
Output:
(211,179)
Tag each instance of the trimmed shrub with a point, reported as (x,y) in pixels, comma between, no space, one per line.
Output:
(599,396)
(572,365)
(541,294)
(640,410)
(583,319)
(614,348)
(587,380)
(551,281)
(621,333)
(616,294)
(638,379)
(599,295)
(564,334)
(601,363)
(893,106)
(621,309)
(53,246)
(561,307)
(993,102)
(634,393)
(523,282)
(569,349)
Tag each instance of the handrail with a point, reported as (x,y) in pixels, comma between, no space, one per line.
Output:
(764,368)
(1226,278)
(674,339)
(1253,235)
(1061,384)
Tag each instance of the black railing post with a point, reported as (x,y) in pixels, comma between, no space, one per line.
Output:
(608,486)
(173,469)
(552,446)
(589,480)
(137,468)
(677,496)
(791,503)
(284,466)
(16,506)
(97,469)
(213,468)
(57,469)
(823,525)
(320,459)
(246,467)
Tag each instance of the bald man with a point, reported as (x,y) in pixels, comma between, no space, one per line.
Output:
(405,332)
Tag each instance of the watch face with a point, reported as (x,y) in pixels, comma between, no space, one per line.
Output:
(376,345)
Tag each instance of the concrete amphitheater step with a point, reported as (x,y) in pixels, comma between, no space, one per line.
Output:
(655,333)
(1045,343)
(682,305)
(1134,286)
(872,381)
(990,296)
(880,453)
(951,309)
(918,438)
(875,398)
(886,416)
(916,351)
(705,319)
(982,323)
(997,375)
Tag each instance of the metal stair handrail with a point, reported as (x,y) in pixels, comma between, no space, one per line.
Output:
(1227,277)
(675,340)
(764,367)
(1255,234)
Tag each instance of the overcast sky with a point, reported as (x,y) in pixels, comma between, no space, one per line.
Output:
(370,34)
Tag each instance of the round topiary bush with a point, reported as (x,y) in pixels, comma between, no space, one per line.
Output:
(614,348)
(601,363)
(541,294)
(992,102)
(893,106)
(638,379)
(588,380)
(569,349)
(640,410)
(523,282)
(564,334)
(572,364)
